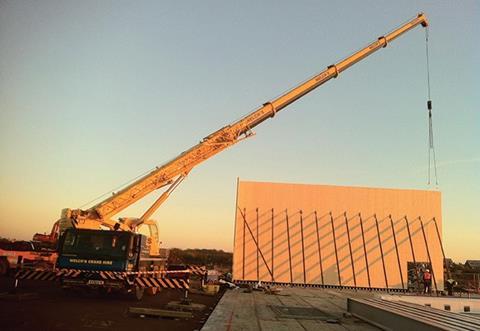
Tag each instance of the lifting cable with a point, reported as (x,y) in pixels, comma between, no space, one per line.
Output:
(431,148)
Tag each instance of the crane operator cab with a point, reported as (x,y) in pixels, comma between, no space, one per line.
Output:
(102,250)
(96,253)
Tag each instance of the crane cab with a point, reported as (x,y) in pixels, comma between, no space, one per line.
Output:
(101,250)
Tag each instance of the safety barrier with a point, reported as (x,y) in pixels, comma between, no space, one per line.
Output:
(177,279)
(162,282)
(197,270)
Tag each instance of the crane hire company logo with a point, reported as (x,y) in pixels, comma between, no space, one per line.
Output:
(83,261)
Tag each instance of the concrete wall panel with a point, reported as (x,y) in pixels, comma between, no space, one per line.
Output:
(292,253)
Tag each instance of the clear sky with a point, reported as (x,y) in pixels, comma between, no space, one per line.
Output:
(94,93)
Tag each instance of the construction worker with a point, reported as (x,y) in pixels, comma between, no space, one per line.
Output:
(451,283)
(427,281)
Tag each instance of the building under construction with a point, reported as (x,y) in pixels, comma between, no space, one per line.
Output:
(339,236)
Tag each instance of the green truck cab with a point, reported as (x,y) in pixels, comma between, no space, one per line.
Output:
(105,260)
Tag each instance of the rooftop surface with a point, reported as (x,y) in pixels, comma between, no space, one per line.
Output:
(291,309)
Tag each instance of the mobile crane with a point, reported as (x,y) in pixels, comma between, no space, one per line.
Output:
(82,243)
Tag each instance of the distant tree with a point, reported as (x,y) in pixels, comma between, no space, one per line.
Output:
(206,257)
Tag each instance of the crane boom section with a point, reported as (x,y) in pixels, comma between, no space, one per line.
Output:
(233,133)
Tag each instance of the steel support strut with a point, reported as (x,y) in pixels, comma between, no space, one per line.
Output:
(289,251)
(365,250)
(319,249)
(413,252)
(441,246)
(244,225)
(256,244)
(350,248)
(428,254)
(273,215)
(381,251)
(336,252)
(396,249)
(303,248)
(258,248)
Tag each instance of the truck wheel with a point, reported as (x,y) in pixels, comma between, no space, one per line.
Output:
(4,267)
(137,293)
(104,291)
(153,290)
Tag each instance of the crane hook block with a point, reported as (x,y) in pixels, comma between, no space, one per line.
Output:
(429,104)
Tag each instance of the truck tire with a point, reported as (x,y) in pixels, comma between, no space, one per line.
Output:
(137,293)
(4,266)
(153,290)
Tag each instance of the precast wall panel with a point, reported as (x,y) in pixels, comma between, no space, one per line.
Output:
(335,235)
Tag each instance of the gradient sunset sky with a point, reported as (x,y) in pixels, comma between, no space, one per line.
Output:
(95,93)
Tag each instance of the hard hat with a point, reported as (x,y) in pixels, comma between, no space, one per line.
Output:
(427,270)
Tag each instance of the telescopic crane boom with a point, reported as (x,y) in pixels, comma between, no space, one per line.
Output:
(174,171)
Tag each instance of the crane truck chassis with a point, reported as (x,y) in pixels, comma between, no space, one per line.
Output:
(113,260)
(109,261)
(135,257)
